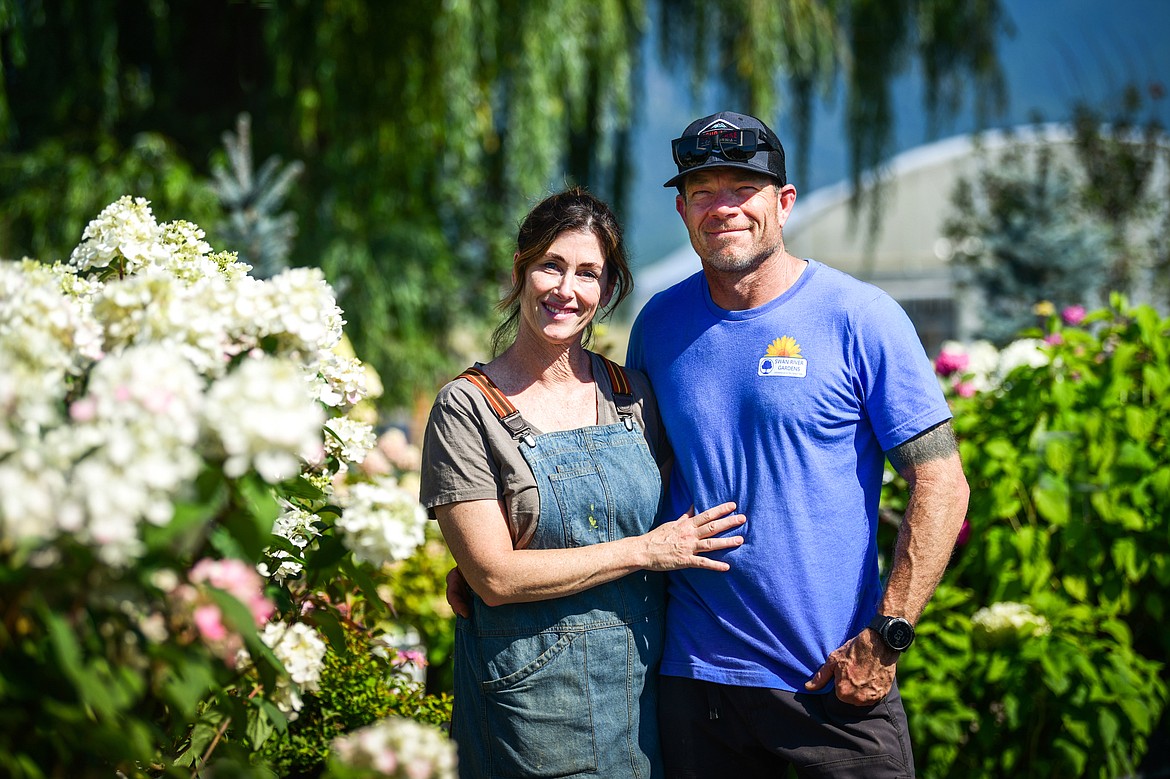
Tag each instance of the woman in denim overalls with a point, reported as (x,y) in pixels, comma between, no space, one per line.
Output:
(538,469)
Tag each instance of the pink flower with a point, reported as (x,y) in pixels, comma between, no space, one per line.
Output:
(949,362)
(210,623)
(412,656)
(1073,315)
(964,389)
(1054,339)
(239,580)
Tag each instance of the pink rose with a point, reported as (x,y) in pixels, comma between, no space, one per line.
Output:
(948,362)
(1073,315)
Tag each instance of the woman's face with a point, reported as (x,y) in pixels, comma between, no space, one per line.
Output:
(564,289)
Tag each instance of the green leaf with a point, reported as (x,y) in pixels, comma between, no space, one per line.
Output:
(251,527)
(1076,586)
(328,623)
(1073,755)
(240,620)
(1134,455)
(200,739)
(368,587)
(330,551)
(259,727)
(301,487)
(1125,558)
(1140,422)
(1051,498)
(187,684)
(188,526)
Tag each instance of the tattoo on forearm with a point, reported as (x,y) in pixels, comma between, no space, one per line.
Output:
(934,444)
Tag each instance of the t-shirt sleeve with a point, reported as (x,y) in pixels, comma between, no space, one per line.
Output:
(651,419)
(901,394)
(635,358)
(457,461)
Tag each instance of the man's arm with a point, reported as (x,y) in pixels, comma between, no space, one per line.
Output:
(864,667)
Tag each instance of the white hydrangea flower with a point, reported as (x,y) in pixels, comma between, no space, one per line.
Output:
(398,748)
(46,338)
(133,444)
(171,315)
(342,380)
(300,311)
(302,653)
(188,250)
(381,522)
(286,566)
(1008,622)
(264,419)
(32,490)
(1024,351)
(124,233)
(351,440)
(300,528)
(297,525)
(194,318)
(190,256)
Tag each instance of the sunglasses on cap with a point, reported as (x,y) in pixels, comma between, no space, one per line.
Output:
(734,145)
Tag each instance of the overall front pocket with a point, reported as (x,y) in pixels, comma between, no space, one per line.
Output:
(539,714)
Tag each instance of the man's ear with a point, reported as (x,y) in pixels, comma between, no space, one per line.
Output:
(680,205)
(786,199)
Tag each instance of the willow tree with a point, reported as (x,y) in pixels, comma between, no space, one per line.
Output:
(425,129)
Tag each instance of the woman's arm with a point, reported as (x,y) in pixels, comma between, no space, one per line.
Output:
(477,534)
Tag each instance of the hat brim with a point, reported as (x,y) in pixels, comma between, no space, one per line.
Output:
(718,162)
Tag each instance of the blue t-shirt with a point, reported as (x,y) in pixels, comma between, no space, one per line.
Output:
(786,409)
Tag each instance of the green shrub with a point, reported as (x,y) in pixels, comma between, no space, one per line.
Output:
(1053,690)
(357,688)
(1069,516)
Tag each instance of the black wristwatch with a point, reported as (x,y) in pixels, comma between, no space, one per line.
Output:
(895,631)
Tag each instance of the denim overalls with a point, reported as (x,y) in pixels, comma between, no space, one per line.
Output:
(568,687)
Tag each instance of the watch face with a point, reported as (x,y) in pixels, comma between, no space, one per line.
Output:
(899,634)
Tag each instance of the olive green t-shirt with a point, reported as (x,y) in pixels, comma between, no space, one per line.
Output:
(468,454)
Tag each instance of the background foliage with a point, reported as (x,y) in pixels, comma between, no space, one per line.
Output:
(425,130)
(1069,466)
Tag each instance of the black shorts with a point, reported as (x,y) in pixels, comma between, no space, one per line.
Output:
(713,730)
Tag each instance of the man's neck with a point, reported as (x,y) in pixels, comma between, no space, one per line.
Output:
(752,288)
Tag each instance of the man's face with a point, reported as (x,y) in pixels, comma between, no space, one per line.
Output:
(734,217)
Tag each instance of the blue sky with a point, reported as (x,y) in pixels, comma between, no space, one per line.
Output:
(1062,52)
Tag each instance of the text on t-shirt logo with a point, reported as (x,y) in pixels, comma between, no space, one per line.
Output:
(783,358)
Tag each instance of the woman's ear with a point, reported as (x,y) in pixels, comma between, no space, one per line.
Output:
(608,294)
(515,257)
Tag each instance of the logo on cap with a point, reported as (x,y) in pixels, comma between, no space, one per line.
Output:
(716,126)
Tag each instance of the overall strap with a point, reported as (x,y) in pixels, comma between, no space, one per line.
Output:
(623,394)
(508,415)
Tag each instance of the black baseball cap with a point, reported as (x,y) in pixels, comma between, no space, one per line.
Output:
(728,140)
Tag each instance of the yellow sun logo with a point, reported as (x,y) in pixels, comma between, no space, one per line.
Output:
(784,347)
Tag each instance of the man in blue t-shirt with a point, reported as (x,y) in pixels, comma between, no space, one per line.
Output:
(784,385)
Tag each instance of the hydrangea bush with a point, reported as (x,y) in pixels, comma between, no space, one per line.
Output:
(183,531)
(1043,651)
